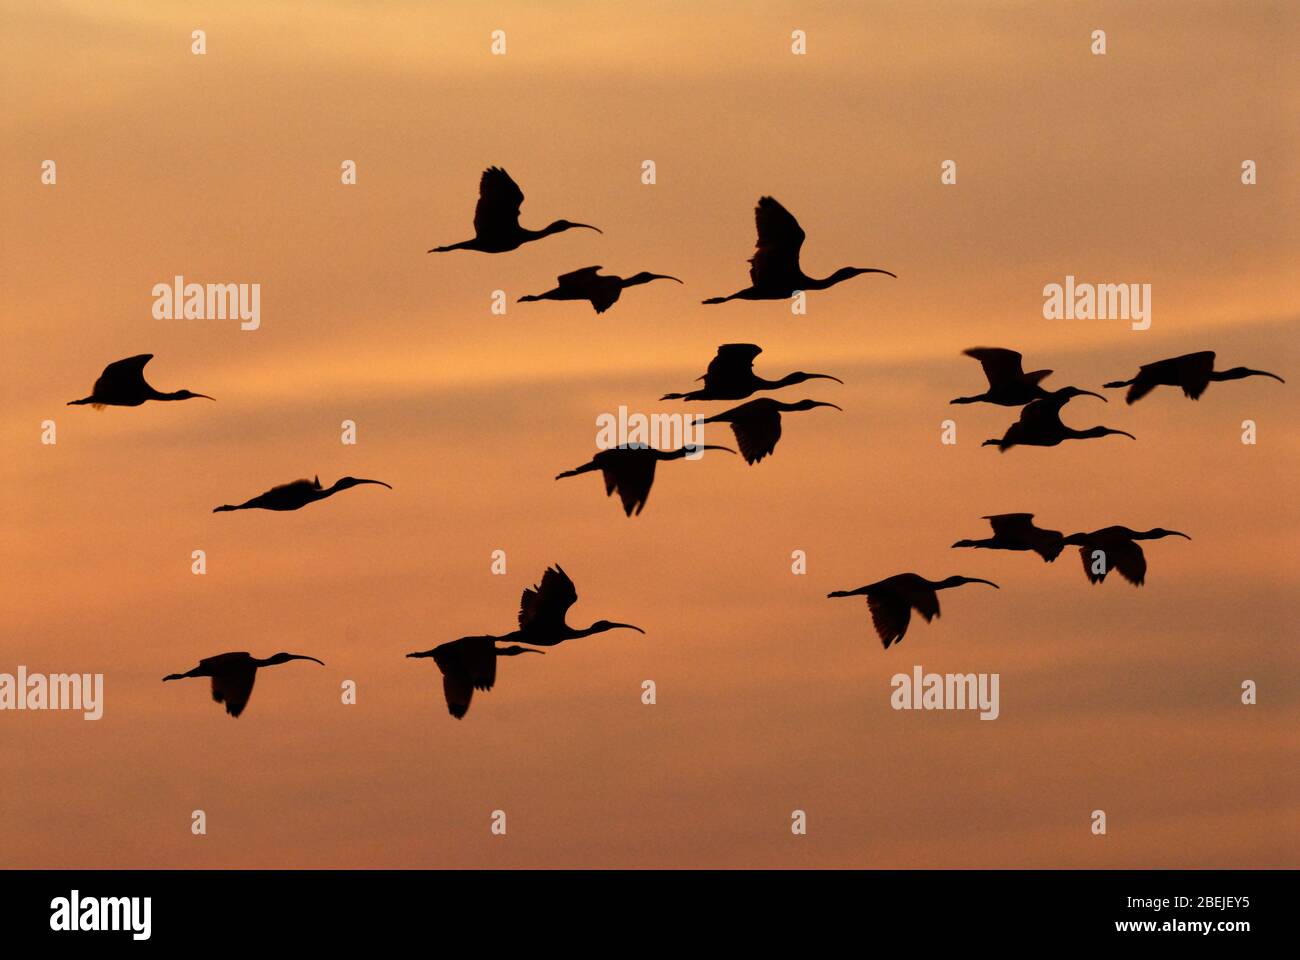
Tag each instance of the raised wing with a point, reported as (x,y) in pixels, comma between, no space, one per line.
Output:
(578,278)
(1013,526)
(1001,365)
(499,200)
(122,373)
(775,262)
(545,605)
(731,366)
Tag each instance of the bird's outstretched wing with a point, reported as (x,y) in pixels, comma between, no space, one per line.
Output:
(544,606)
(233,685)
(1000,365)
(578,277)
(303,484)
(467,664)
(499,200)
(926,603)
(128,373)
(1194,370)
(632,477)
(757,431)
(775,262)
(1017,526)
(890,615)
(1127,557)
(732,365)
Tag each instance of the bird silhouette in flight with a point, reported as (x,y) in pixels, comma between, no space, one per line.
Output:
(1009,385)
(757,424)
(122,384)
(233,675)
(542,611)
(1192,371)
(601,292)
(1016,531)
(292,496)
(731,376)
(774,271)
(1116,547)
(892,600)
(630,470)
(496,218)
(468,664)
(1040,424)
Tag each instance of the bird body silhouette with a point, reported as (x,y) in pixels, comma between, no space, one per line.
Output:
(543,608)
(602,292)
(233,674)
(1009,385)
(1116,548)
(468,664)
(299,493)
(1016,531)
(731,376)
(757,424)
(630,470)
(1040,424)
(122,384)
(496,218)
(1193,372)
(892,600)
(774,271)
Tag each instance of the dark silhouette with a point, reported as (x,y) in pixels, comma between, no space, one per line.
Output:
(1009,385)
(774,271)
(1117,549)
(122,384)
(757,424)
(542,610)
(1192,371)
(1040,424)
(601,292)
(233,675)
(1016,531)
(631,471)
(496,218)
(731,376)
(891,601)
(291,496)
(468,664)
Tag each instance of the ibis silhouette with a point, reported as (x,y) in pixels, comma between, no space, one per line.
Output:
(892,600)
(774,271)
(602,292)
(1192,371)
(233,675)
(1117,548)
(757,424)
(468,664)
(731,376)
(630,470)
(1016,531)
(1009,385)
(291,496)
(496,218)
(543,608)
(122,384)
(1040,424)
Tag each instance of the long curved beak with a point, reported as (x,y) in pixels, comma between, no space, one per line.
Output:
(876,270)
(204,396)
(824,376)
(709,446)
(663,276)
(1124,433)
(1175,533)
(299,656)
(1089,393)
(587,226)
(1265,373)
(380,482)
(629,626)
(978,580)
(821,403)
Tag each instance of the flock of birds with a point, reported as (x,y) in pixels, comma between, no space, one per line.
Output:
(469,663)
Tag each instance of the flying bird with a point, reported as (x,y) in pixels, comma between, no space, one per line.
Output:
(496,218)
(291,496)
(1016,531)
(601,292)
(757,424)
(774,271)
(1192,371)
(631,470)
(1040,424)
(468,664)
(1116,547)
(1009,385)
(731,376)
(542,610)
(233,675)
(122,384)
(892,600)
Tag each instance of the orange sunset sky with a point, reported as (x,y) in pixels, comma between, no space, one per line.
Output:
(225,167)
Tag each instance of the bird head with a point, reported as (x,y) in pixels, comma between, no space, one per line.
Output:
(799,377)
(958,581)
(809,404)
(1238,373)
(644,277)
(514,651)
(1157,533)
(286,657)
(693,451)
(1106,432)
(561,225)
(843,273)
(188,395)
(1071,392)
(344,483)
(600,626)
